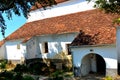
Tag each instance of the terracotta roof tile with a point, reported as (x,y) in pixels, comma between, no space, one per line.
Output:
(26,39)
(91,22)
(1,43)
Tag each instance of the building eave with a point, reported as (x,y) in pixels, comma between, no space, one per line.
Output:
(97,45)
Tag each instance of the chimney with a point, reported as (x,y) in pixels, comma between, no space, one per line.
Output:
(118,47)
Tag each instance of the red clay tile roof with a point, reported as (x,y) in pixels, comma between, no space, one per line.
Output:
(2,42)
(26,39)
(39,5)
(90,22)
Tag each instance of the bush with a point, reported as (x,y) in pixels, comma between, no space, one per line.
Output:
(14,76)
(38,68)
(66,68)
(18,76)
(3,64)
(27,78)
(21,68)
(57,73)
(6,75)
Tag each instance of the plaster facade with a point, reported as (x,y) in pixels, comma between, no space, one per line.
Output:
(68,7)
(56,44)
(15,51)
(84,57)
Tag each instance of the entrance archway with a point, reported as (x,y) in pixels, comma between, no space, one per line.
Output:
(93,63)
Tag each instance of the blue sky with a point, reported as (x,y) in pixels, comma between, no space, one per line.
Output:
(12,25)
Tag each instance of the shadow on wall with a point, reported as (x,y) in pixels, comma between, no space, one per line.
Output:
(85,39)
(64,59)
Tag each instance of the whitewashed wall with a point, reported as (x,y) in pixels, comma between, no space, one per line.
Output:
(118,47)
(2,52)
(108,52)
(56,43)
(31,47)
(71,6)
(12,53)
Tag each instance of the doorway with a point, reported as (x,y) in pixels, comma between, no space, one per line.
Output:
(101,66)
(93,63)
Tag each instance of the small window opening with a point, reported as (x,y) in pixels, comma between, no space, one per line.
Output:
(68,49)
(45,47)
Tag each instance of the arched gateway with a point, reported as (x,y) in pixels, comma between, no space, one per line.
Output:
(93,63)
(100,59)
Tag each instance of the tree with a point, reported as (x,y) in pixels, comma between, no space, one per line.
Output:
(19,7)
(112,6)
(109,6)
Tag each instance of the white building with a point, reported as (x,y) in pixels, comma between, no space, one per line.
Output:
(14,46)
(46,46)
(95,53)
(49,32)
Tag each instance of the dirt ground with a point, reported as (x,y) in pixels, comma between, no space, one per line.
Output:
(97,77)
(91,77)
(88,77)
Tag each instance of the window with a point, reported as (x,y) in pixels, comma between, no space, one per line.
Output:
(68,49)
(45,47)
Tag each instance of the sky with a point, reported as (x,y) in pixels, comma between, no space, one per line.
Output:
(12,25)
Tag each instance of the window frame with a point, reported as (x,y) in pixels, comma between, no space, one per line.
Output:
(68,49)
(45,47)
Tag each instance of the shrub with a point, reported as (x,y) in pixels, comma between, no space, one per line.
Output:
(20,68)
(57,73)
(66,68)
(68,74)
(6,75)
(38,68)
(10,65)
(3,64)
(27,78)
(18,76)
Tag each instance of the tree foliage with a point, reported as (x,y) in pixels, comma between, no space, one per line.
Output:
(19,7)
(112,6)
(109,6)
